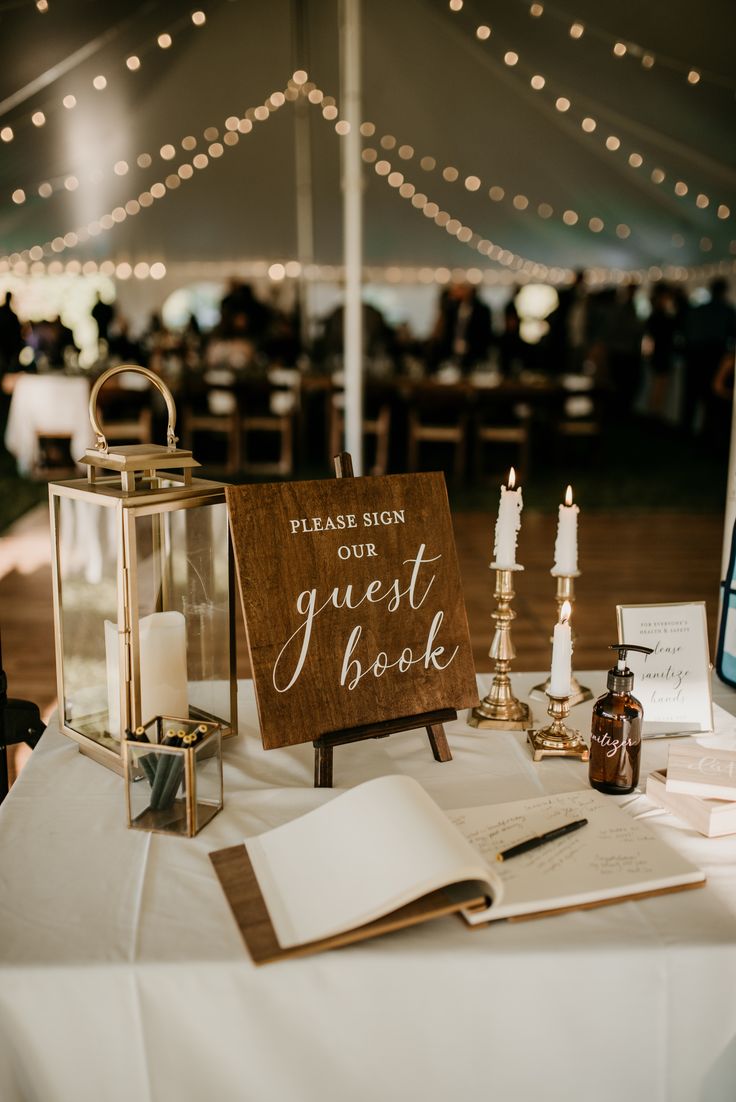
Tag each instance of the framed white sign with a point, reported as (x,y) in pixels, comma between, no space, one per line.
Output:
(672,683)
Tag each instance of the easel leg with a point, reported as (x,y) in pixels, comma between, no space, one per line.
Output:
(438,742)
(323,767)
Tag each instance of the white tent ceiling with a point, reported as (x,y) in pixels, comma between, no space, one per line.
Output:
(429,81)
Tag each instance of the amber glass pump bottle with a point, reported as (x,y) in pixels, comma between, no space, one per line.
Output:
(615,737)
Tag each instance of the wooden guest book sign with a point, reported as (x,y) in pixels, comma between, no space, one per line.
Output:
(353,604)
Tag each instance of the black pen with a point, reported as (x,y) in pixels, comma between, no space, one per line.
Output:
(540,840)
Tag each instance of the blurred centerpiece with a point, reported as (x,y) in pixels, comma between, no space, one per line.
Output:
(143,596)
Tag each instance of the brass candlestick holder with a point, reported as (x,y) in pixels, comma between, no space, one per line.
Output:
(565,592)
(500,710)
(557,740)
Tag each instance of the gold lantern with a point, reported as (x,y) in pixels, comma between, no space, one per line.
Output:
(143,590)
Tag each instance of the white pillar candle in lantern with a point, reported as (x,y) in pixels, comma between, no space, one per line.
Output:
(508,523)
(163,664)
(566,544)
(561,675)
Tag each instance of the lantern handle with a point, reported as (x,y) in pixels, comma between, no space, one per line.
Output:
(101,443)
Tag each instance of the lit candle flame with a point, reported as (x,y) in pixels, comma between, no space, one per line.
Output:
(512,479)
(565,612)
(568,496)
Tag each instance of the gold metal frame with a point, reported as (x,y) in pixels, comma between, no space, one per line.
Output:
(189,755)
(132,503)
(500,710)
(557,740)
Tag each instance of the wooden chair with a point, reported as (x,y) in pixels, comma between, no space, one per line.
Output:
(212,406)
(579,413)
(53,457)
(502,423)
(270,407)
(376,423)
(438,413)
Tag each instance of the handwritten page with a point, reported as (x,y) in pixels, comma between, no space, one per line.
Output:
(672,683)
(612,856)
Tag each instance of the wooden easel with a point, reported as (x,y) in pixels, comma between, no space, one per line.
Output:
(433,721)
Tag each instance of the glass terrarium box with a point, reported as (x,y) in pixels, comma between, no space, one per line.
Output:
(173,775)
(143,592)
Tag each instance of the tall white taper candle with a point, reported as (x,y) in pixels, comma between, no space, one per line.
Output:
(566,544)
(561,675)
(508,523)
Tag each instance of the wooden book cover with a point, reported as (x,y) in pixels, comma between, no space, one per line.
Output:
(235,873)
(353,603)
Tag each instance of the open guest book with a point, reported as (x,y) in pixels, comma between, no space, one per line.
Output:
(383,856)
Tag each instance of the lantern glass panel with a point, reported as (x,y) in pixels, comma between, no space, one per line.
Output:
(180,574)
(88,537)
(208,770)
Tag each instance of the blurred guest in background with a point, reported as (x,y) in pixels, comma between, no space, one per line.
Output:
(710,332)
(622,333)
(121,347)
(462,331)
(231,343)
(512,350)
(242,313)
(661,331)
(103,313)
(52,341)
(281,342)
(569,335)
(378,337)
(11,336)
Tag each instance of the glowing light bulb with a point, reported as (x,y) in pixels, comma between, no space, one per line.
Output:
(164,40)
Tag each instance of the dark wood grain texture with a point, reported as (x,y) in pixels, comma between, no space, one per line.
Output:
(406,580)
(433,721)
(238,880)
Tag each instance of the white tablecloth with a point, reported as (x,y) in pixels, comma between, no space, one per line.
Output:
(47,403)
(123,976)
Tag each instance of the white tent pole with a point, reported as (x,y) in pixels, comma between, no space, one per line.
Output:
(352,198)
(304,220)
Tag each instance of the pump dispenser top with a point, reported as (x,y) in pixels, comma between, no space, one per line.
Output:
(620,677)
